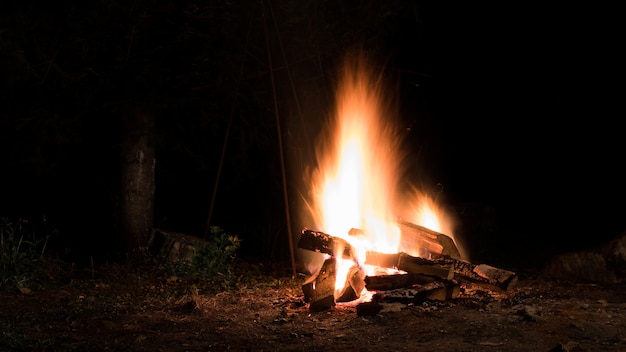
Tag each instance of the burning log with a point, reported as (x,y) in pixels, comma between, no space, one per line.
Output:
(319,289)
(354,285)
(325,243)
(421,279)
(320,242)
(413,236)
(440,265)
(416,236)
(440,268)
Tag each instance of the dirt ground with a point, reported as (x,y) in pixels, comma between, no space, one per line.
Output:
(152,312)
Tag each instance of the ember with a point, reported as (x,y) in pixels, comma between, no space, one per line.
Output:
(356,196)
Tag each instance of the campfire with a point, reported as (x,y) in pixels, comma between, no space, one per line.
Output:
(382,239)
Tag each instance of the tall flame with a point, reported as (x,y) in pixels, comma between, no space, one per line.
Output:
(356,183)
(356,180)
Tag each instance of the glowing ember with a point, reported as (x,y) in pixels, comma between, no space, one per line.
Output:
(356,184)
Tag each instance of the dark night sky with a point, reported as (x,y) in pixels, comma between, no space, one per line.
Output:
(514,107)
(532,102)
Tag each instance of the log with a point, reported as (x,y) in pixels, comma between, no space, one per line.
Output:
(439,290)
(416,265)
(319,289)
(395,281)
(441,268)
(325,243)
(421,238)
(416,238)
(321,242)
(173,247)
(482,274)
(354,285)
(444,262)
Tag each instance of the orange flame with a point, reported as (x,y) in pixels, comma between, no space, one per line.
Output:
(356,184)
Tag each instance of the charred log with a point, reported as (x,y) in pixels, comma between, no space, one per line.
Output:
(396,281)
(413,236)
(482,274)
(324,243)
(439,290)
(415,265)
(441,268)
(321,242)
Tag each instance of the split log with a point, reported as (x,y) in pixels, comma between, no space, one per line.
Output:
(482,274)
(319,289)
(354,285)
(419,237)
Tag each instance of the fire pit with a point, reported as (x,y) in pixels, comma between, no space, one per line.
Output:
(357,195)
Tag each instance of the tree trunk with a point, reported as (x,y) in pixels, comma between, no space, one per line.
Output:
(137,183)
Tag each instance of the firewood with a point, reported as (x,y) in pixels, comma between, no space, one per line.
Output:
(395,281)
(438,290)
(355,283)
(482,274)
(416,236)
(440,268)
(325,243)
(387,282)
(417,265)
(319,289)
(321,242)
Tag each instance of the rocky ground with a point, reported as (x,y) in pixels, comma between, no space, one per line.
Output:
(147,311)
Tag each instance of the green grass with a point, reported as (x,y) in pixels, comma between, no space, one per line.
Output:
(213,261)
(22,252)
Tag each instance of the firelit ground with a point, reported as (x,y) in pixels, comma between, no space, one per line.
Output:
(151,312)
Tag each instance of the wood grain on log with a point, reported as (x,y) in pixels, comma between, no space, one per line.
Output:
(416,237)
(482,274)
(319,289)
(395,281)
(440,290)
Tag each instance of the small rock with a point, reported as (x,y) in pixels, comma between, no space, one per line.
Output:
(528,313)
(570,346)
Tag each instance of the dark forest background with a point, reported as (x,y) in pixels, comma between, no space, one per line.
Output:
(516,110)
